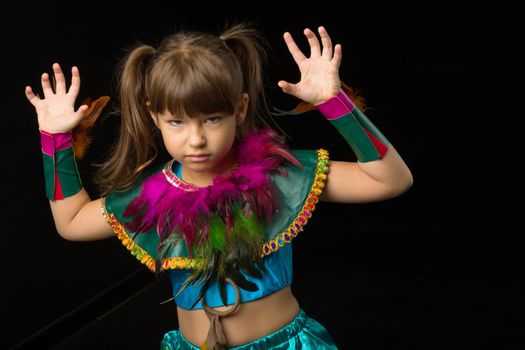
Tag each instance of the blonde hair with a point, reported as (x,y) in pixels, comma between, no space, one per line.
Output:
(190,72)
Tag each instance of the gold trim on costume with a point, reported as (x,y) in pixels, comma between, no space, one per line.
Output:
(141,254)
(176,181)
(312,198)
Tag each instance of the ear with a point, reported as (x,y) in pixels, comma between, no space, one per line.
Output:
(242,108)
(153,115)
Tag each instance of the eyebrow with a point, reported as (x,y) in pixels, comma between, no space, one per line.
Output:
(203,116)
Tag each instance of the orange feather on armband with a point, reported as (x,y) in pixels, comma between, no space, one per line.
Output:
(81,137)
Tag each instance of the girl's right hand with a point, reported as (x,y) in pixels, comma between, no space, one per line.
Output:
(56,111)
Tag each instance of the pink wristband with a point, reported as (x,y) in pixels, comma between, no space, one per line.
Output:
(55,142)
(337,106)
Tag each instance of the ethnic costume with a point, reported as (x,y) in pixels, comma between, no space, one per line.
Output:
(231,242)
(289,196)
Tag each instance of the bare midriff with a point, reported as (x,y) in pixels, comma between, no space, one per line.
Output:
(253,320)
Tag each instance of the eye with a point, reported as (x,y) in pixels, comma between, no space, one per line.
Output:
(213,120)
(174,122)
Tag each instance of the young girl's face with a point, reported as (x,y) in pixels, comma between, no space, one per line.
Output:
(201,143)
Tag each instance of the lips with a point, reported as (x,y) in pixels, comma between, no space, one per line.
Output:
(199,157)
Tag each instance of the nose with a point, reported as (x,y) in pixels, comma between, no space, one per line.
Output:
(197,137)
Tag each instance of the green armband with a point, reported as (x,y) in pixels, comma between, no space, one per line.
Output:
(60,168)
(367,142)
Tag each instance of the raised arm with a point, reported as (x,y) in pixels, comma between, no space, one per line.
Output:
(380,172)
(76,216)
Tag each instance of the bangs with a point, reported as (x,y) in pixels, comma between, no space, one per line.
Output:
(194,84)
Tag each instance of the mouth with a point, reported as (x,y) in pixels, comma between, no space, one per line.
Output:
(198,157)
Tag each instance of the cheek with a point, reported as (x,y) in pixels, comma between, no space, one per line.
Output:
(232,135)
(171,143)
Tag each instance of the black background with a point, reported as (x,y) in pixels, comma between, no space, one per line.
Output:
(439,267)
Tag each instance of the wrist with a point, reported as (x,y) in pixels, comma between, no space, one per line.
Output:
(336,106)
(367,142)
(53,142)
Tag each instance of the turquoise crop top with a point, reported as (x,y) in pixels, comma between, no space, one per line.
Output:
(279,275)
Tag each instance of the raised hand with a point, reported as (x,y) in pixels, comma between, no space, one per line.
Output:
(319,72)
(56,111)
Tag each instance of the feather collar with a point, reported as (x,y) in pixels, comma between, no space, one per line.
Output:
(221,222)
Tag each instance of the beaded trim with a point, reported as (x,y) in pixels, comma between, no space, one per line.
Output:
(141,254)
(177,181)
(268,248)
(312,198)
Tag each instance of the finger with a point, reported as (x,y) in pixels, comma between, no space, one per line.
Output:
(287,87)
(34,99)
(75,82)
(338,54)
(327,43)
(81,112)
(297,54)
(60,81)
(315,50)
(46,85)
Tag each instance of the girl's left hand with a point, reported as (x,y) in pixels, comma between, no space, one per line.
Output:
(319,72)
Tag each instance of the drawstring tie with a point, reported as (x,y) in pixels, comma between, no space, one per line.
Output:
(216,339)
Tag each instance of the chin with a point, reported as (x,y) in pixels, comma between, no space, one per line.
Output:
(199,166)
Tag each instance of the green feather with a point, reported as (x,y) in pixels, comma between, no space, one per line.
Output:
(248,226)
(254,228)
(228,256)
(217,233)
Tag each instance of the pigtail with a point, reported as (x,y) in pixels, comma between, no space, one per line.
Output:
(249,47)
(136,147)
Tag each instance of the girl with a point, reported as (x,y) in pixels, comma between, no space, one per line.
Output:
(220,216)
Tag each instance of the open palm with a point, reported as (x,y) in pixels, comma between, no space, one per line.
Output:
(56,111)
(319,72)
